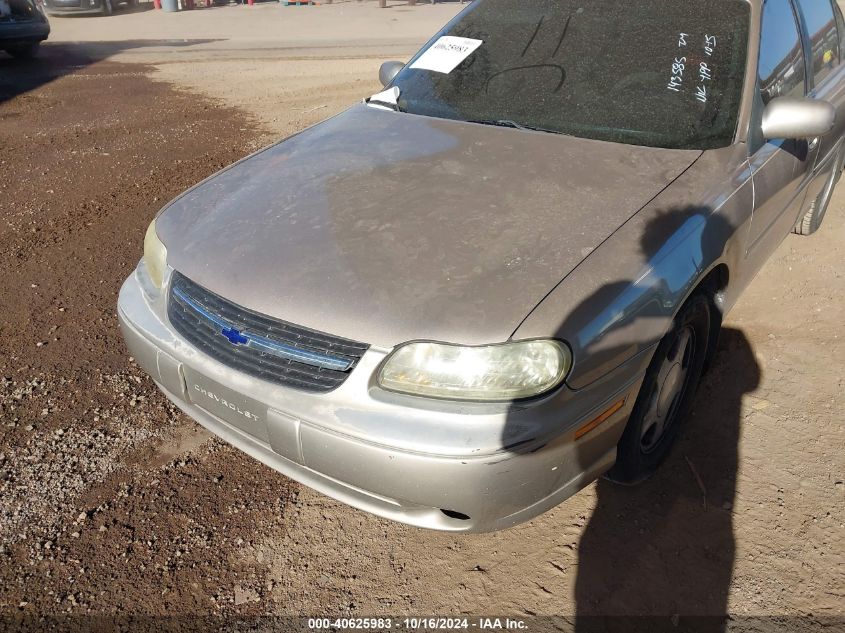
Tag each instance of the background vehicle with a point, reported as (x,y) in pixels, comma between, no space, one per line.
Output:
(101,7)
(545,205)
(22,27)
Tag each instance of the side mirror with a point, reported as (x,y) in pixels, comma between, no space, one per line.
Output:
(388,72)
(797,118)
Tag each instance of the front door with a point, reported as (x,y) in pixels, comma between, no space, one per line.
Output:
(823,24)
(779,166)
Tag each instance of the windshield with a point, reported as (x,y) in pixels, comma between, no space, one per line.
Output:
(664,73)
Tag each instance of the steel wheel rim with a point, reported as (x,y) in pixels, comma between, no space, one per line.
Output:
(668,391)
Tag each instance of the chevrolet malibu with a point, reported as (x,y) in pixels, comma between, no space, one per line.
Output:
(462,300)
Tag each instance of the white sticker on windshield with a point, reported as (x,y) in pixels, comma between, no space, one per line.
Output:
(389,97)
(446,54)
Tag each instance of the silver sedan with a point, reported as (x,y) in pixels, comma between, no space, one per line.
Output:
(462,300)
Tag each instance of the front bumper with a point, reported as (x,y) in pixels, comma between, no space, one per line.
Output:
(407,459)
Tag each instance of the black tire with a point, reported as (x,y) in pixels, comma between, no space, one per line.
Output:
(24,51)
(641,449)
(812,220)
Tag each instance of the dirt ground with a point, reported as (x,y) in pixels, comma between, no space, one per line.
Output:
(113,502)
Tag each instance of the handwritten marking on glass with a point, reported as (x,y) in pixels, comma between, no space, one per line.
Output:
(703,72)
(676,80)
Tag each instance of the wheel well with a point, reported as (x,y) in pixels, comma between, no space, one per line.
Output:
(713,286)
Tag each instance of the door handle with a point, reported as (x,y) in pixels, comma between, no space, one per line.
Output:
(814,143)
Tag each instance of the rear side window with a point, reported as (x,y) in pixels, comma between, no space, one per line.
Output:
(840,24)
(781,68)
(824,38)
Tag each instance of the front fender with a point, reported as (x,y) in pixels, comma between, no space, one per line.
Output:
(619,302)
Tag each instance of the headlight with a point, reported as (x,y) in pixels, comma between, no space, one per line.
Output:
(155,255)
(511,371)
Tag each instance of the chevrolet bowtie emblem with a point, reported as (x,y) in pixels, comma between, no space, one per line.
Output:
(234,336)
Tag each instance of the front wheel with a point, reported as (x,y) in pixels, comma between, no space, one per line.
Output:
(666,395)
(24,51)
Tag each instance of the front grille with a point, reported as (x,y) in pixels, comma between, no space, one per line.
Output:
(258,345)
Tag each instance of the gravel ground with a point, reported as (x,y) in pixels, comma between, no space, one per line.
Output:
(112,502)
(102,506)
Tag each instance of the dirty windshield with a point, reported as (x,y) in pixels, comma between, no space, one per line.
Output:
(664,73)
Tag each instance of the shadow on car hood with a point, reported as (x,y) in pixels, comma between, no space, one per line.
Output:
(386,227)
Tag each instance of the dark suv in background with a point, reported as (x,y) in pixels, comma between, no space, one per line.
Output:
(22,27)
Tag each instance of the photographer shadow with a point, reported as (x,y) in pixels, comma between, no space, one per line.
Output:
(660,555)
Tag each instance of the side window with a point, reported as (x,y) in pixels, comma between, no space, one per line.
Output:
(781,69)
(824,38)
(840,24)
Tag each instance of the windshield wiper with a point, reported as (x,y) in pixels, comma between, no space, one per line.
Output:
(513,124)
(499,123)
(384,104)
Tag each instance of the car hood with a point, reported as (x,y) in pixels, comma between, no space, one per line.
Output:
(386,227)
